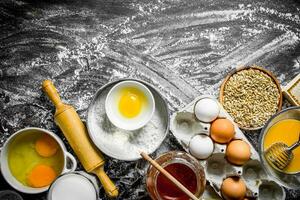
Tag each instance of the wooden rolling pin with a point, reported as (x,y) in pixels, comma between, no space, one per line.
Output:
(76,133)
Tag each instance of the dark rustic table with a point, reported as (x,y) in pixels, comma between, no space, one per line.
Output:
(183,47)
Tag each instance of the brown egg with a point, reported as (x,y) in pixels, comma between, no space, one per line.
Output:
(238,152)
(233,188)
(222,130)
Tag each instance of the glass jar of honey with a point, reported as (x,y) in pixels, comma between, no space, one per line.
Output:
(185,168)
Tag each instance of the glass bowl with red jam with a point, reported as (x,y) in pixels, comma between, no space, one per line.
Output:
(185,168)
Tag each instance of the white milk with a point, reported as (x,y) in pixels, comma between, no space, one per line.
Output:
(72,187)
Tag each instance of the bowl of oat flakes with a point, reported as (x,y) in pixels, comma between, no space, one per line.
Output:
(251,95)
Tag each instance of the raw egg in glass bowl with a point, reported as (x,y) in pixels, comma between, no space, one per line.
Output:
(129,105)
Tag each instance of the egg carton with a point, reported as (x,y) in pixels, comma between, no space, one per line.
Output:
(184,125)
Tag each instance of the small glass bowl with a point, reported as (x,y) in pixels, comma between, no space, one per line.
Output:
(175,157)
(285,179)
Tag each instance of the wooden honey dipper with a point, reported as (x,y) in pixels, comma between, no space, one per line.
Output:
(279,155)
(76,133)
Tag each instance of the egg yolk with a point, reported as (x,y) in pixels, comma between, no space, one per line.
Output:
(46,146)
(131,102)
(41,176)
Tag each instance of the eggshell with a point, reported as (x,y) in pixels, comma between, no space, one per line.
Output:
(207,110)
(201,146)
(233,188)
(238,152)
(222,130)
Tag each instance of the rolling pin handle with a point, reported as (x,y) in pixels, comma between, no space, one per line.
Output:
(109,187)
(51,92)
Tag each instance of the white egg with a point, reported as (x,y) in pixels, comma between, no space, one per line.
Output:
(207,110)
(201,146)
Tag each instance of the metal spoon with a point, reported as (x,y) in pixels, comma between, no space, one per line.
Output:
(279,155)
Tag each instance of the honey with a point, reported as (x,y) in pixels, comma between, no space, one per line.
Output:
(184,174)
(183,167)
(286,131)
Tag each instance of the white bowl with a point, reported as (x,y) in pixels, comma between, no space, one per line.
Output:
(115,117)
(68,159)
(74,185)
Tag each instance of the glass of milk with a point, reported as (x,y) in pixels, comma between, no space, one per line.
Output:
(74,186)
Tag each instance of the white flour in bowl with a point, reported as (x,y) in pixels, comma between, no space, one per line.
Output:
(122,144)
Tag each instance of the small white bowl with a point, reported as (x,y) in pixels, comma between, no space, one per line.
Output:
(112,110)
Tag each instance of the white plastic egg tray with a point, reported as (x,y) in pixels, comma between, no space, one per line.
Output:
(184,125)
